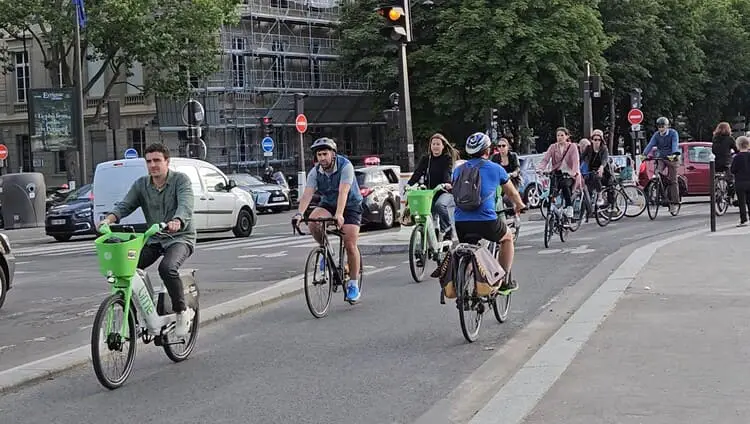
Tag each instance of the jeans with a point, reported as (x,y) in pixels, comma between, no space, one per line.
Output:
(169,268)
(444,206)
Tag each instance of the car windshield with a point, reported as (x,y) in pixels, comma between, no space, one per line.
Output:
(82,193)
(246,180)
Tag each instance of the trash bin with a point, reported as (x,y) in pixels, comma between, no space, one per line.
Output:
(23,199)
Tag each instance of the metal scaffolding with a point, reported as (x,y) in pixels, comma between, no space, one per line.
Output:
(281,47)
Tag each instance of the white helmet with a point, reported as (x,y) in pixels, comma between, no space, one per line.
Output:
(323,143)
(477,142)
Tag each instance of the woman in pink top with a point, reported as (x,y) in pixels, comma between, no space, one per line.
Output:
(564,161)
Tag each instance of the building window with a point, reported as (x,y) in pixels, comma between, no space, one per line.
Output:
(60,164)
(25,157)
(239,45)
(22,76)
(137,139)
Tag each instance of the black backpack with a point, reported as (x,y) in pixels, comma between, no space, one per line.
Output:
(467,190)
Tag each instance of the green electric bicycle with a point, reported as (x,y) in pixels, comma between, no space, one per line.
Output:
(425,242)
(143,312)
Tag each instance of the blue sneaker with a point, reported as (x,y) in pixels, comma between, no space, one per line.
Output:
(352,292)
(322,264)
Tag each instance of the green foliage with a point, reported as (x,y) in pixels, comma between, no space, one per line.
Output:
(526,57)
(168,37)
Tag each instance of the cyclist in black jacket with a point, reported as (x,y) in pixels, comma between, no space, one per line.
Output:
(434,168)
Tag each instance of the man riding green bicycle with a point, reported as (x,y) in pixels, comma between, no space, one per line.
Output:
(164,196)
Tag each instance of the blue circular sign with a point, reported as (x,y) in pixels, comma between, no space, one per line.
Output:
(131,153)
(267,144)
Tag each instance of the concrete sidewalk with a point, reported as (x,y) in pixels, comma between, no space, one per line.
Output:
(675,348)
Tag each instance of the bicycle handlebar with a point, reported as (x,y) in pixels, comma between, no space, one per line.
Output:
(107,229)
(295,223)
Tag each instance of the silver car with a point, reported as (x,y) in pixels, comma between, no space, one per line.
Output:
(268,197)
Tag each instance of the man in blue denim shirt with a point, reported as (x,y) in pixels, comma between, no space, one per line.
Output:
(333,178)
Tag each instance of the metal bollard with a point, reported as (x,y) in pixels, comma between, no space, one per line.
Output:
(712,191)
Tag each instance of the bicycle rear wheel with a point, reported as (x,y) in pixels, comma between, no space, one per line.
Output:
(170,347)
(501,304)
(721,196)
(318,282)
(112,341)
(416,253)
(636,200)
(653,198)
(467,301)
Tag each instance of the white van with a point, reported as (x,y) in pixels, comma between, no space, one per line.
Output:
(219,204)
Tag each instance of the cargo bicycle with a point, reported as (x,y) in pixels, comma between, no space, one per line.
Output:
(144,313)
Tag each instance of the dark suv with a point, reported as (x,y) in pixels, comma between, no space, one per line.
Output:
(7,267)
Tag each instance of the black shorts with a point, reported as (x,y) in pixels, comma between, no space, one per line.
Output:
(489,230)
(352,216)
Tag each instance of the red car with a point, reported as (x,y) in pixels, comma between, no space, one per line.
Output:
(692,174)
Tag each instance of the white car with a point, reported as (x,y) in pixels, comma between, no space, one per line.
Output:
(219,204)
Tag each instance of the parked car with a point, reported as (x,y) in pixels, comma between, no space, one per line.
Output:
(74,216)
(381,197)
(219,204)
(7,267)
(692,173)
(268,197)
(532,185)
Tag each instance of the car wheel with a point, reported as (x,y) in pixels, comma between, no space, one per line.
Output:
(388,215)
(533,196)
(63,237)
(3,286)
(244,225)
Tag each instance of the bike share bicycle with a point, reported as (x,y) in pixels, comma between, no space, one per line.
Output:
(146,313)
(424,243)
(333,274)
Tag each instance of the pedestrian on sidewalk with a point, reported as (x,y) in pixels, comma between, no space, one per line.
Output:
(741,170)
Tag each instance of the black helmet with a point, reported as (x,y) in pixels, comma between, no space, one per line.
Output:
(323,143)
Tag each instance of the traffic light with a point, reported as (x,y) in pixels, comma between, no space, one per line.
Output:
(493,118)
(267,125)
(397,21)
(636,99)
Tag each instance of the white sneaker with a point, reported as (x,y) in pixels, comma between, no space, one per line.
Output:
(569,212)
(184,321)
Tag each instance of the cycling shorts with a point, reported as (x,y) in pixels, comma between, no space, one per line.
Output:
(489,230)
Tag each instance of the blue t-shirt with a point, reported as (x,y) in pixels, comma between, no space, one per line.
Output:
(492,175)
(666,144)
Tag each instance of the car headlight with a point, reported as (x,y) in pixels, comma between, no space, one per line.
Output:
(84,213)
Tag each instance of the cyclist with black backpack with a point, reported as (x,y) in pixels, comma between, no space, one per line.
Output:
(475,185)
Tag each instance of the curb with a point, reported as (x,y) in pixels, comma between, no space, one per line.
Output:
(529,385)
(45,368)
(382,249)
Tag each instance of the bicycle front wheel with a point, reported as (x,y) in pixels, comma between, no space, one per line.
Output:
(653,198)
(109,340)
(549,229)
(501,303)
(318,283)
(417,253)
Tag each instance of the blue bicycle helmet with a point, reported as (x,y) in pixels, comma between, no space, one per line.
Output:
(477,142)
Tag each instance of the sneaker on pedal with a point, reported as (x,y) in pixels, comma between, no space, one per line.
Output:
(352,292)
(569,211)
(184,321)
(509,285)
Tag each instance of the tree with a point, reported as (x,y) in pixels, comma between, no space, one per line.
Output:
(168,37)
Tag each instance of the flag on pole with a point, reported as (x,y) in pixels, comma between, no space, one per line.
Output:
(81,11)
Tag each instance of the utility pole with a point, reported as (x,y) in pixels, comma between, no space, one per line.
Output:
(80,129)
(588,124)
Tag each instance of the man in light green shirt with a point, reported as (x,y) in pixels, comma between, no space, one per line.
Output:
(164,196)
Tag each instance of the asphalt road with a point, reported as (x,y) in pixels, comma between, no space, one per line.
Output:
(385,360)
(58,288)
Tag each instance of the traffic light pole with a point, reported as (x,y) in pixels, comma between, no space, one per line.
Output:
(588,119)
(407,106)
